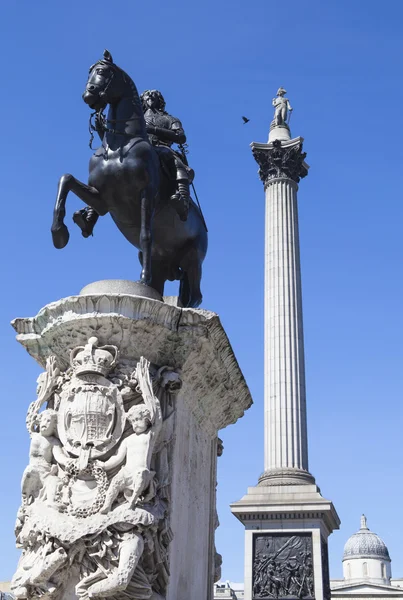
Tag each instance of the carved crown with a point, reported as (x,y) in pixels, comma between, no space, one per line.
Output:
(91,359)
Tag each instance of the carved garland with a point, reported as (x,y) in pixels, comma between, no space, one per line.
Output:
(102,485)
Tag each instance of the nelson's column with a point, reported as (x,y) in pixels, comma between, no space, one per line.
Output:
(287,521)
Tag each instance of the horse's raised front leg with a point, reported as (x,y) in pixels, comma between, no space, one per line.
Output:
(147,205)
(86,193)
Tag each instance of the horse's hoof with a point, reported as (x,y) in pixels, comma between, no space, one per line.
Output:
(60,236)
(144,280)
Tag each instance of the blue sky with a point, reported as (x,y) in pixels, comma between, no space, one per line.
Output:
(341,63)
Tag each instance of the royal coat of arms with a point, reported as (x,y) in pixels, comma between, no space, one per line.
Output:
(91,417)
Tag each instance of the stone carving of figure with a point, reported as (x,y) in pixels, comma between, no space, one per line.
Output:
(135,476)
(36,570)
(281,106)
(96,585)
(54,491)
(40,455)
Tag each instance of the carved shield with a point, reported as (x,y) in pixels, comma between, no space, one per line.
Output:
(91,415)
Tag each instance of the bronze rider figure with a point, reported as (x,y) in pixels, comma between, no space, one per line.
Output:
(163,130)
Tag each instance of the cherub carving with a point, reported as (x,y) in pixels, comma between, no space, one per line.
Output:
(54,490)
(43,442)
(135,476)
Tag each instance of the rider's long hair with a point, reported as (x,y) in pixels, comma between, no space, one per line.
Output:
(159,96)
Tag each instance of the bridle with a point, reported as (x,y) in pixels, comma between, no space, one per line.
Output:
(101,116)
(105,129)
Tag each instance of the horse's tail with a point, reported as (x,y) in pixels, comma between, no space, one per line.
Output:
(184,290)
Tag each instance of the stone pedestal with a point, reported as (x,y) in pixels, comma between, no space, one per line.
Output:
(286,531)
(287,521)
(109,359)
(279,132)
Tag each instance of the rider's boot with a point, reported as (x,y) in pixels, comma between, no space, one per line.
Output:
(86,219)
(181,200)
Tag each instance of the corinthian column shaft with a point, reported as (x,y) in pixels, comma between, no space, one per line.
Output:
(285,404)
(286,452)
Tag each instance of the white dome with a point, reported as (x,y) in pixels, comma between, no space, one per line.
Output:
(365,544)
(366,558)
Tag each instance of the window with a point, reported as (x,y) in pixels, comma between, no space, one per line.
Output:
(364,569)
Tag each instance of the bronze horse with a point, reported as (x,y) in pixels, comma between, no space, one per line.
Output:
(126,180)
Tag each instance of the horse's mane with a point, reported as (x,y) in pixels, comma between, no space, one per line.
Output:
(126,77)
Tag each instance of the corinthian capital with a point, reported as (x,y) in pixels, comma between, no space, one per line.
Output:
(282,160)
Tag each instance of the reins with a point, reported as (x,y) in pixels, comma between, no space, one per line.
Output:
(105,129)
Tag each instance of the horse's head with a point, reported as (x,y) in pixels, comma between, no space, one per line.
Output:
(106,83)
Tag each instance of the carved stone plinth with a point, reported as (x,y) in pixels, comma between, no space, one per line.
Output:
(118,499)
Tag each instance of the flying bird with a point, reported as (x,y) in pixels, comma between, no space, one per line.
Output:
(245,120)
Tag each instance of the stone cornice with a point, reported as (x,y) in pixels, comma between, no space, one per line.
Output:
(190,340)
(280,160)
(289,503)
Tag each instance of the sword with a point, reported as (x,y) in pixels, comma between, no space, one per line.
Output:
(184,151)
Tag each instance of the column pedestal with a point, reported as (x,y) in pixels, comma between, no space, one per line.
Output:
(299,520)
(113,362)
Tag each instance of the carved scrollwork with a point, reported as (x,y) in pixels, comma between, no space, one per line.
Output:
(280,162)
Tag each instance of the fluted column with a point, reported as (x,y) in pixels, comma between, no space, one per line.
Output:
(286,451)
(285,411)
(287,520)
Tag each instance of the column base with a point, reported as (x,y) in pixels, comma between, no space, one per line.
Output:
(286,477)
(279,132)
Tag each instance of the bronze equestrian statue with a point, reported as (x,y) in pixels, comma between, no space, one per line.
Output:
(141,181)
